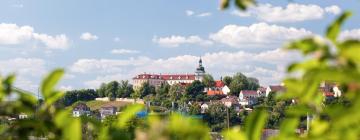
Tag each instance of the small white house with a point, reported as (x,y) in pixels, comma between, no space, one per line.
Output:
(204,107)
(23,116)
(226,90)
(80,110)
(248,97)
(275,89)
(107,110)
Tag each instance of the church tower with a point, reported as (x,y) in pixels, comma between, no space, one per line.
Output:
(200,71)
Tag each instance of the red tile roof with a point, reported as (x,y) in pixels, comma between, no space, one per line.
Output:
(249,92)
(219,84)
(166,76)
(214,92)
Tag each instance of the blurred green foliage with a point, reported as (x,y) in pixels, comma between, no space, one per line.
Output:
(328,59)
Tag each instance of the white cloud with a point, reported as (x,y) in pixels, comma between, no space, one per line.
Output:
(334,9)
(257,35)
(56,42)
(189,12)
(192,13)
(23,66)
(206,14)
(176,41)
(241,13)
(123,51)
(88,36)
(12,34)
(268,66)
(28,71)
(350,34)
(293,12)
(66,88)
(104,79)
(105,65)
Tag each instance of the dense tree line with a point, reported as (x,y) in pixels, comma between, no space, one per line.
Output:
(78,95)
(115,89)
(239,82)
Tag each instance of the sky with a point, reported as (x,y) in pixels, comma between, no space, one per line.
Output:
(98,41)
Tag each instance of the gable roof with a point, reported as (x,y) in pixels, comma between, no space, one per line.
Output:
(249,92)
(214,92)
(232,99)
(277,88)
(81,106)
(219,84)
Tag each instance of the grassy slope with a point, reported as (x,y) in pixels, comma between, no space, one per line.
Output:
(98,104)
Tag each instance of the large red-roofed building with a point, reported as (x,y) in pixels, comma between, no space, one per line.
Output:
(171,79)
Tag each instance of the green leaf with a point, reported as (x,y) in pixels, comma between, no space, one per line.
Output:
(255,123)
(307,45)
(128,114)
(224,4)
(56,95)
(234,134)
(73,130)
(334,29)
(350,50)
(244,4)
(50,82)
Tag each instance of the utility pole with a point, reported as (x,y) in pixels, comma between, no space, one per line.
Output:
(228,119)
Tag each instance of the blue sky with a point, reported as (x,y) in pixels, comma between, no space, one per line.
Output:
(98,41)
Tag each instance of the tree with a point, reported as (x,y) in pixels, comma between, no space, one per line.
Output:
(102,90)
(195,109)
(208,80)
(194,89)
(253,83)
(112,89)
(146,89)
(125,89)
(238,83)
(227,80)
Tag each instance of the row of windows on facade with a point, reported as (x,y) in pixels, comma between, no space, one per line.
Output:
(159,77)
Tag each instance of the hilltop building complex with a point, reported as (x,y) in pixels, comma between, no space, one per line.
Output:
(158,79)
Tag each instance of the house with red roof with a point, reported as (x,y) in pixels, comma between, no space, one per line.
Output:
(219,89)
(248,97)
(171,79)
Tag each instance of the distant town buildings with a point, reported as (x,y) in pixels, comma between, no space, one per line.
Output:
(158,79)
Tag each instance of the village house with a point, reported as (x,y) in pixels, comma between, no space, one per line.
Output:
(274,89)
(219,89)
(81,109)
(171,79)
(107,111)
(261,91)
(248,97)
(231,101)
